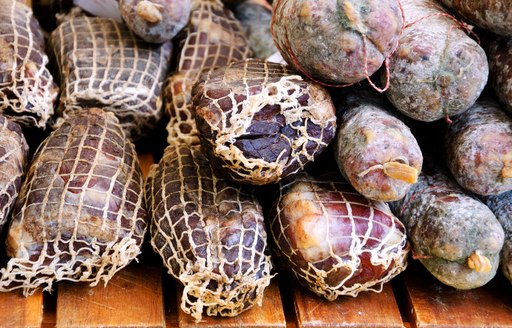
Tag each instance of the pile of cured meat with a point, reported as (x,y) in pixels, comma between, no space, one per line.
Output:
(339,139)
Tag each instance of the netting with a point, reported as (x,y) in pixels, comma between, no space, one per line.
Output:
(103,64)
(79,213)
(27,91)
(13,160)
(209,232)
(259,122)
(335,241)
(214,38)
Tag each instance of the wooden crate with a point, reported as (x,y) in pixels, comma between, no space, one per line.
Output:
(143,295)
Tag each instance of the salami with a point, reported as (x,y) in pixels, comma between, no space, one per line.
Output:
(492,15)
(437,70)
(155,21)
(336,42)
(499,52)
(214,38)
(479,148)
(209,232)
(79,215)
(13,161)
(103,64)
(501,205)
(455,236)
(260,122)
(332,239)
(27,90)
(375,151)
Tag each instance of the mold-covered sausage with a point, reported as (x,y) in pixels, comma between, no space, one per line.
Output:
(155,21)
(375,151)
(479,148)
(260,122)
(437,70)
(336,42)
(501,205)
(13,161)
(332,239)
(79,215)
(103,64)
(27,90)
(255,18)
(499,52)
(209,232)
(214,38)
(455,236)
(492,15)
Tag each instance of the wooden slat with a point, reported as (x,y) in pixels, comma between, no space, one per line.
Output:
(435,305)
(269,315)
(19,311)
(368,309)
(132,298)
(146,160)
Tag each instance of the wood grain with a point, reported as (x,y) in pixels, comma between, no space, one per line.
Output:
(434,304)
(19,311)
(269,315)
(132,298)
(368,309)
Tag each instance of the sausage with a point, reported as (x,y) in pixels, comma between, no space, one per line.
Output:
(102,64)
(260,122)
(209,232)
(492,15)
(501,205)
(455,236)
(479,148)
(13,161)
(437,70)
(155,21)
(214,38)
(499,52)
(332,239)
(375,151)
(27,90)
(336,42)
(79,215)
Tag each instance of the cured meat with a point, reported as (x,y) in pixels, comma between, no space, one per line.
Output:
(155,20)
(79,215)
(103,64)
(214,38)
(27,91)
(13,161)
(492,15)
(336,42)
(501,205)
(333,240)
(209,232)
(260,122)
(479,148)
(437,70)
(455,236)
(499,51)
(375,151)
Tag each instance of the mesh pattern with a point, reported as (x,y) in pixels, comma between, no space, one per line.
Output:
(259,122)
(13,160)
(104,65)
(209,232)
(335,241)
(79,214)
(214,38)
(27,91)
